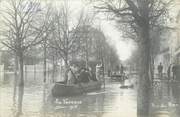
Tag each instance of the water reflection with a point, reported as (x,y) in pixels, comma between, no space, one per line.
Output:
(78,106)
(176,97)
(20,100)
(113,101)
(166,98)
(110,102)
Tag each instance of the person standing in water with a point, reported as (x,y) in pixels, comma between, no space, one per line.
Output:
(160,70)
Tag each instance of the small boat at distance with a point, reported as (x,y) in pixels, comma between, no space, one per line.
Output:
(118,77)
(63,90)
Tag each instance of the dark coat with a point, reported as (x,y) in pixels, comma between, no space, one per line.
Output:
(160,68)
(84,77)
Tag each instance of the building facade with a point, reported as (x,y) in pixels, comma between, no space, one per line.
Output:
(174,41)
(169,52)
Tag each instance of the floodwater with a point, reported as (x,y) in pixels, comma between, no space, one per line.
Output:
(166,98)
(109,102)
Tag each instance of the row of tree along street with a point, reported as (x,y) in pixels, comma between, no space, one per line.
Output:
(28,27)
(141,21)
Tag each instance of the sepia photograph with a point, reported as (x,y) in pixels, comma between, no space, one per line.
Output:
(89,58)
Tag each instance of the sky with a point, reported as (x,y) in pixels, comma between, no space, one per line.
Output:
(113,35)
(124,48)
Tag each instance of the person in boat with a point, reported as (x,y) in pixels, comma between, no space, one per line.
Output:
(77,73)
(98,71)
(92,75)
(71,75)
(84,76)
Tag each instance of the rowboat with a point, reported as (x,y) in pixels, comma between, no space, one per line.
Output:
(63,90)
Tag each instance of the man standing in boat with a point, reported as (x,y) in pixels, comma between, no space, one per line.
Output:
(72,74)
(100,72)
(92,74)
(70,79)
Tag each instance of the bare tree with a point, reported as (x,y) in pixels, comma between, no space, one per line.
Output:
(64,38)
(22,31)
(48,20)
(87,32)
(86,41)
(140,17)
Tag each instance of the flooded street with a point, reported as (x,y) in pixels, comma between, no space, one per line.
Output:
(166,98)
(90,58)
(111,101)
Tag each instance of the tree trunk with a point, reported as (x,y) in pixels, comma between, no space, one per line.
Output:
(152,68)
(44,93)
(25,72)
(15,78)
(144,90)
(21,83)
(87,58)
(54,69)
(35,72)
(143,99)
(21,66)
(20,100)
(87,53)
(44,66)
(66,68)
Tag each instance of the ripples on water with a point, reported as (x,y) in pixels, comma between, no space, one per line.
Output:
(166,98)
(112,101)
(109,102)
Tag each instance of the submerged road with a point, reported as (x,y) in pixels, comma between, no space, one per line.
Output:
(112,101)
(109,102)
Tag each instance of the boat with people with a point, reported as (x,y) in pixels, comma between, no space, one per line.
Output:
(80,80)
(118,77)
(119,74)
(62,90)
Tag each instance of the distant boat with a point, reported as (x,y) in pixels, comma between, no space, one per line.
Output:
(127,86)
(63,90)
(118,77)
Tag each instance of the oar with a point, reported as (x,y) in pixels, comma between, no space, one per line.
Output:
(78,81)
